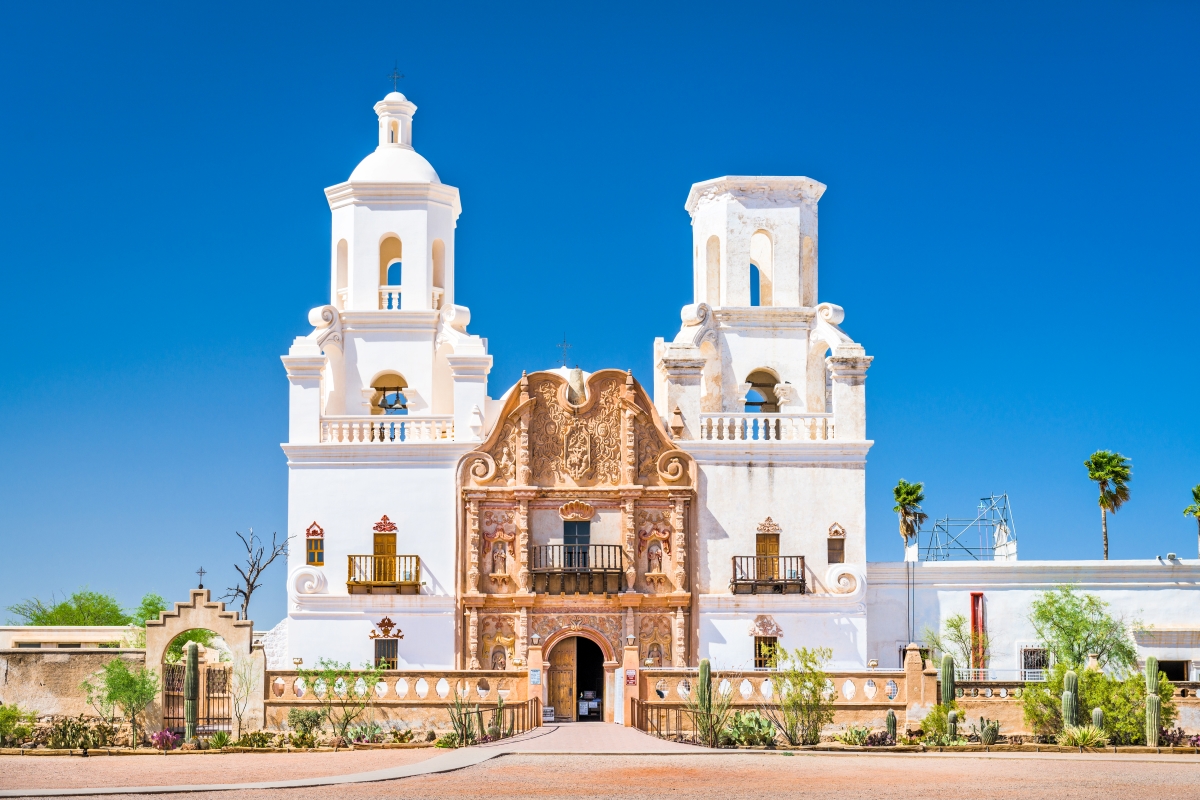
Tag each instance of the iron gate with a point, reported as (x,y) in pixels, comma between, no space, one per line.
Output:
(214,705)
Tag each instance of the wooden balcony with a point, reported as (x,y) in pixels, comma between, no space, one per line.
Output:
(767,575)
(384,575)
(578,568)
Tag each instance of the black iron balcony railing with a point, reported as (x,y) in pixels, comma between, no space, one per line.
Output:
(403,573)
(578,568)
(767,575)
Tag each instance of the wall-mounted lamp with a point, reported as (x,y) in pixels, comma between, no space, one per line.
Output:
(630,639)
(872,664)
(297,661)
(535,639)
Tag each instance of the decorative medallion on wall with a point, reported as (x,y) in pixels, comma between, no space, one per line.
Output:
(385,525)
(314,531)
(836,530)
(576,511)
(654,524)
(765,625)
(768,525)
(386,625)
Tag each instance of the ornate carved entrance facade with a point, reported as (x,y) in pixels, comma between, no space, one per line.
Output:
(576,520)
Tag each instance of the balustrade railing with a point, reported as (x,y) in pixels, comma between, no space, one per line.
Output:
(384,571)
(767,575)
(385,429)
(570,568)
(389,298)
(765,427)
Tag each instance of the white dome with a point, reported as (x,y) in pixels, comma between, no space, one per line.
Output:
(394,164)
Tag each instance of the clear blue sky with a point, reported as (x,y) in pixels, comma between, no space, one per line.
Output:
(1011,226)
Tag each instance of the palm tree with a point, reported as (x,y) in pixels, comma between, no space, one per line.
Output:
(1110,471)
(1194,509)
(909,497)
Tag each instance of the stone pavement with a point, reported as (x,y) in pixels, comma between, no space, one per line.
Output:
(585,738)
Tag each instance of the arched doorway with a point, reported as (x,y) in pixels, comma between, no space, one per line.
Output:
(575,678)
(214,697)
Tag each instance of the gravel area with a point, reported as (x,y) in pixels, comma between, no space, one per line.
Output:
(62,772)
(724,777)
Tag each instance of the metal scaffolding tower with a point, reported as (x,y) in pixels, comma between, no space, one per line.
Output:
(990,536)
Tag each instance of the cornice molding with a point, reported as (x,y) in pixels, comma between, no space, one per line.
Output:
(422,322)
(830,453)
(1037,574)
(360,193)
(755,190)
(415,454)
(741,604)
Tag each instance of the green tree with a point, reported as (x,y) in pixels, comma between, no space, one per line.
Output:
(200,636)
(1123,700)
(1194,511)
(151,606)
(909,497)
(344,694)
(83,607)
(1111,472)
(130,690)
(802,702)
(15,725)
(1072,625)
(968,647)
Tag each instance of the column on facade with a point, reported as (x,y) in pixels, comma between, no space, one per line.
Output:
(523,635)
(473,637)
(629,537)
(679,650)
(679,523)
(683,366)
(473,539)
(524,474)
(523,575)
(848,371)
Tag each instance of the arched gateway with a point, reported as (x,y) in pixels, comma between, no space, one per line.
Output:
(575,531)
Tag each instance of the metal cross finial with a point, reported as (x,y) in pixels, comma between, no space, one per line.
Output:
(564,347)
(395,76)
(201,573)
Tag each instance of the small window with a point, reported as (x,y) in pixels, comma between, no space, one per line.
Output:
(1034,663)
(29,644)
(761,398)
(1176,671)
(316,552)
(387,653)
(765,649)
(837,550)
(70,645)
(577,535)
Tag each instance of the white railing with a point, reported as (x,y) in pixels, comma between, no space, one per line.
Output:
(765,427)
(389,298)
(385,429)
(1029,675)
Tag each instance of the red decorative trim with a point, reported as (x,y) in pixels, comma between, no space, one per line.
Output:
(385,525)
(315,531)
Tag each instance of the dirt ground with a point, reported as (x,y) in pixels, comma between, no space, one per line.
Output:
(61,772)
(721,777)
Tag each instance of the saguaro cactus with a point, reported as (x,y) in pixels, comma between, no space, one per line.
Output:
(191,691)
(1070,700)
(704,686)
(947,679)
(891,725)
(1153,703)
(1098,717)
(952,725)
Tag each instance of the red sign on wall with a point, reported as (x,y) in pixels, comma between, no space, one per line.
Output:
(631,677)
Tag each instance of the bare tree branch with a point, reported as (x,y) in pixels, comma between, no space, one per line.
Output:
(257,561)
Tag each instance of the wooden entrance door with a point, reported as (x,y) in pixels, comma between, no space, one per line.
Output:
(766,547)
(562,679)
(385,557)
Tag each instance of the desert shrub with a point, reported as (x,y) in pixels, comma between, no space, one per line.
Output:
(304,722)
(1122,699)
(802,702)
(1172,738)
(16,726)
(366,732)
(854,734)
(401,735)
(1083,736)
(219,740)
(448,740)
(164,740)
(70,734)
(879,739)
(750,729)
(256,739)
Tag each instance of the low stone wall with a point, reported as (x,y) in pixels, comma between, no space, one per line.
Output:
(417,699)
(47,681)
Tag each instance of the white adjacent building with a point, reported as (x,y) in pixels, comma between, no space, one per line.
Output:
(713,516)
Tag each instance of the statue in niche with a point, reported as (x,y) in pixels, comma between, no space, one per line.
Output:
(498,658)
(654,558)
(499,558)
(654,655)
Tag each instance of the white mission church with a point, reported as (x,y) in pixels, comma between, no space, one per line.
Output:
(716,513)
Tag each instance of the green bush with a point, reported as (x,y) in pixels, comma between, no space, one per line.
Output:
(1083,736)
(69,734)
(256,739)
(750,729)
(304,722)
(1123,701)
(16,726)
(449,740)
(855,735)
(219,740)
